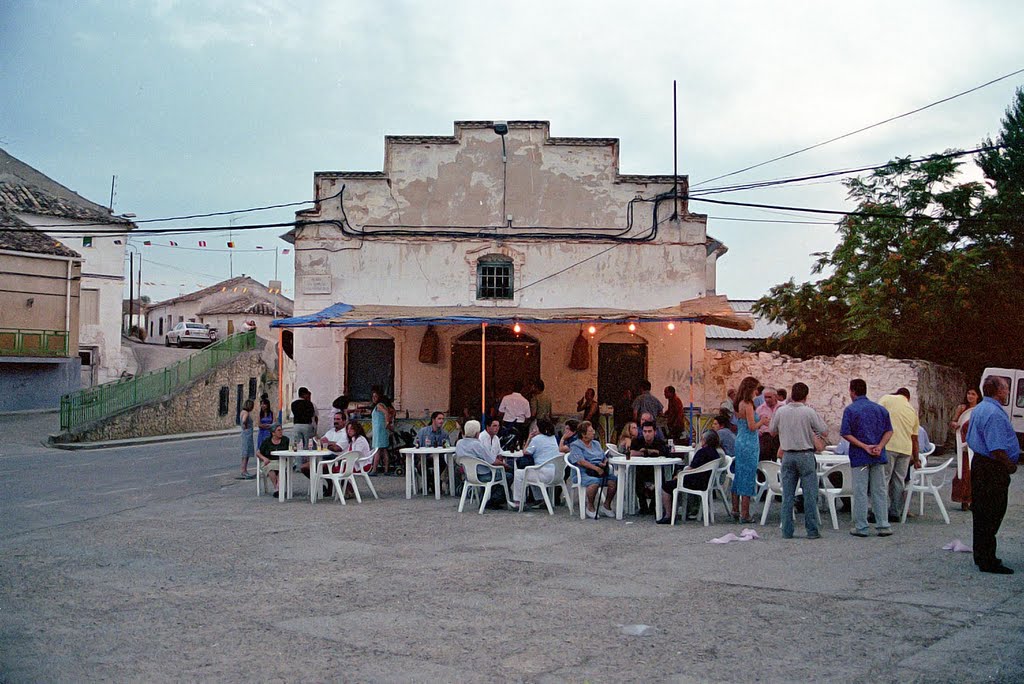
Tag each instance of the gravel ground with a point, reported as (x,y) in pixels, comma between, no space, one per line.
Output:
(153,564)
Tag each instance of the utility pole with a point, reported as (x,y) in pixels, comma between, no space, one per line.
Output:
(112,179)
(131,289)
(675,156)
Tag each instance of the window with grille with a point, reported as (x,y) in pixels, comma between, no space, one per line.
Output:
(494,279)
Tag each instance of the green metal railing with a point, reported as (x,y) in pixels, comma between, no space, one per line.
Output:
(24,342)
(88,405)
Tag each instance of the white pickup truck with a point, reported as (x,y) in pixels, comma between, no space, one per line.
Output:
(1015,406)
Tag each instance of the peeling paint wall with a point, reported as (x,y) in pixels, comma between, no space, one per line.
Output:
(562,186)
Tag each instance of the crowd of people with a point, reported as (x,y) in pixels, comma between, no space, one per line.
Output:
(882,440)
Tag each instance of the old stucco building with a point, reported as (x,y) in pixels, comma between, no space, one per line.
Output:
(501,222)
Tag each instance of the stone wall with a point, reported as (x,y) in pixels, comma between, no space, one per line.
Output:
(934,390)
(194,408)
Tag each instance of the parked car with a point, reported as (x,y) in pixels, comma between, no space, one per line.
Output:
(1014,408)
(197,334)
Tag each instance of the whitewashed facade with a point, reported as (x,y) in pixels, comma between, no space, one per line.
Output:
(573,231)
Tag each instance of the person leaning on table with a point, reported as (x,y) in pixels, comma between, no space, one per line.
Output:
(471,446)
(542,447)
(269,463)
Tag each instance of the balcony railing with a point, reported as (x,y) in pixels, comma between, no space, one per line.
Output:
(26,342)
(88,405)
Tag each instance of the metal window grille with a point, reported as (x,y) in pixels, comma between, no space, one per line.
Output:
(494,280)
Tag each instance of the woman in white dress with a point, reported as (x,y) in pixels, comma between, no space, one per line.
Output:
(961,491)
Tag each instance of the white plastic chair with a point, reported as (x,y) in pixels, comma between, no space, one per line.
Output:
(535,481)
(926,480)
(473,481)
(346,475)
(831,493)
(704,494)
(723,480)
(261,480)
(772,471)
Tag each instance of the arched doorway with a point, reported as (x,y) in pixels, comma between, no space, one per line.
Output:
(510,358)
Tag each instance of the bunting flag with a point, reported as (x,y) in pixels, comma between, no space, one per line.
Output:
(172,243)
(117,242)
(285,251)
(147,243)
(258,247)
(231,245)
(202,243)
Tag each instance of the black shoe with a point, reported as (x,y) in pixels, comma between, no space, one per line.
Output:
(664,521)
(997,569)
(894,518)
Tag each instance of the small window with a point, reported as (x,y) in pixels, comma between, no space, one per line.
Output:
(1020,393)
(494,279)
(225,401)
(86,357)
(252,388)
(87,241)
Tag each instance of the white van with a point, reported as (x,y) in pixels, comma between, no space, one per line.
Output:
(1015,407)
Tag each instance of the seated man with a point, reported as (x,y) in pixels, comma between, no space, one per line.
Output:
(336,441)
(707,453)
(647,444)
(648,418)
(489,437)
(433,435)
(471,446)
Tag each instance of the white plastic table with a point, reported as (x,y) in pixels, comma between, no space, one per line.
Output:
(622,466)
(284,473)
(683,451)
(437,452)
(827,460)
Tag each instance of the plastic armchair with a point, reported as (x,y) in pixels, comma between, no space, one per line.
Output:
(261,480)
(704,494)
(473,481)
(927,480)
(723,479)
(317,475)
(345,476)
(533,479)
(831,493)
(772,471)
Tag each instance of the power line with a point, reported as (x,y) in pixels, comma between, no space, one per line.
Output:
(841,172)
(861,130)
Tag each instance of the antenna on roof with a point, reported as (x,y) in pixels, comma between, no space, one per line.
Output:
(675,156)
(111,207)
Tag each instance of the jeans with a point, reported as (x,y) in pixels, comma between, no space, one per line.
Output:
(896,471)
(873,475)
(799,466)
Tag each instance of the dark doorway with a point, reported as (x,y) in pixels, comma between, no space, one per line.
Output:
(620,366)
(369,362)
(510,357)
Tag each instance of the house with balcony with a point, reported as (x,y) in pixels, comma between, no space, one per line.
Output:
(41,202)
(40,289)
(500,255)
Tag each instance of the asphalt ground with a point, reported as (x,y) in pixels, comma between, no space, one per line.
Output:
(152,563)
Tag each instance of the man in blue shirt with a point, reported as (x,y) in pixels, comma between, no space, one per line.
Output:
(991,437)
(866,426)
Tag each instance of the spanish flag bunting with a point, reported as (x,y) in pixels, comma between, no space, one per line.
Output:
(285,251)
(231,245)
(172,243)
(202,243)
(147,243)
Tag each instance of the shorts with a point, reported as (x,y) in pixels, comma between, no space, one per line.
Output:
(273,465)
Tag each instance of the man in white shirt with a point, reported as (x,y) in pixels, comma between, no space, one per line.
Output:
(489,438)
(515,411)
(336,441)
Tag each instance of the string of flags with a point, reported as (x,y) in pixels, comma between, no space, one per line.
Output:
(204,244)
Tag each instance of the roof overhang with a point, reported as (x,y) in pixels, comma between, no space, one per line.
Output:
(711,310)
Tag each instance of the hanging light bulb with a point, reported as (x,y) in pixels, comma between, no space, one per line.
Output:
(516,328)
(632,327)
(671,326)
(592,329)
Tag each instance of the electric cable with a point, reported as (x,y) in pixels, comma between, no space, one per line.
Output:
(862,129)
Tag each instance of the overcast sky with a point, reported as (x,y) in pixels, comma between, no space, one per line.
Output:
(214,106)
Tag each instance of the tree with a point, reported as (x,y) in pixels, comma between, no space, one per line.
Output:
(925,267)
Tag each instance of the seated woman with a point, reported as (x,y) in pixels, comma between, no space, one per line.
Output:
(357,442)
(471,446)
(629,432)
(707,453)
(726,437)
(270,464)
(595,472)
(543,447)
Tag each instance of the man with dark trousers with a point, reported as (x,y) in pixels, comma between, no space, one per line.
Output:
(996,451)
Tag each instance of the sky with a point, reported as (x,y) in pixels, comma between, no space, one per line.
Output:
(217,105)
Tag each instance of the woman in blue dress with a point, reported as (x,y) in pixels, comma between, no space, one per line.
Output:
(266,419)
(595,471)
(380,417)
(746,451)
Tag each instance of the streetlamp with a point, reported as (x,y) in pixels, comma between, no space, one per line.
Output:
(131,288)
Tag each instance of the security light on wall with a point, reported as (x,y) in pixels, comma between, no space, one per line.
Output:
(501,127)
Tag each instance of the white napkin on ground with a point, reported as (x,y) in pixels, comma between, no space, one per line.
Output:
(957,546)
(746,535)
